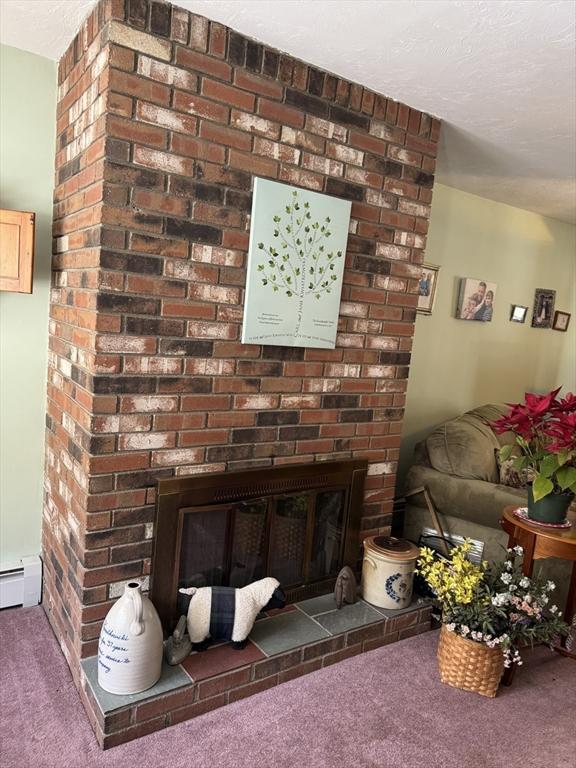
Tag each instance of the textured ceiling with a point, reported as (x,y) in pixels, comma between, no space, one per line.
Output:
(500,74)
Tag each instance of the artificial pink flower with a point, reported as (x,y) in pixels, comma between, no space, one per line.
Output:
(568,403)
(539,404)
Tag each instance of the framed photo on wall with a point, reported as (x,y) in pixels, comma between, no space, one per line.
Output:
(518,313)
(561,320)
(543,311)
(427,289)
(475,300)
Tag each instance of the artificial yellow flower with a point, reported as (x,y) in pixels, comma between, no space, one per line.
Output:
(455,581)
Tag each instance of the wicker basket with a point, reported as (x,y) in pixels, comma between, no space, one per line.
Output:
(468,665)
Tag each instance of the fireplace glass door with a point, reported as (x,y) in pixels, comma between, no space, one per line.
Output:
(298,523)
(295,537)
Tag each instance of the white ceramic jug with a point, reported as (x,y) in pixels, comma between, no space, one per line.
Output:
(130,647)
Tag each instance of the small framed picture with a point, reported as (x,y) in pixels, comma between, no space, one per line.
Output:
(475,300)
(561,320)
(427,289)
(543,312)
(518,313)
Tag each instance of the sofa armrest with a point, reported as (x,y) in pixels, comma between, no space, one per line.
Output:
(475,500)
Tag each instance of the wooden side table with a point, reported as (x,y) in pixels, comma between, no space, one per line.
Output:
(539,542)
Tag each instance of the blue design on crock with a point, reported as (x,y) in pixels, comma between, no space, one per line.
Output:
(392,589)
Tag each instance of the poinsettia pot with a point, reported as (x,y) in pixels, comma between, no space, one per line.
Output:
(550,509)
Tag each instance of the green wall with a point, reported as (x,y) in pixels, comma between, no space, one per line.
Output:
(457,365)
(27,139)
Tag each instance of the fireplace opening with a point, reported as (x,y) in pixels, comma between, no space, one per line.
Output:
(298,523)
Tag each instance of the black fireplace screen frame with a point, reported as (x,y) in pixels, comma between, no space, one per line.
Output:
(177,497)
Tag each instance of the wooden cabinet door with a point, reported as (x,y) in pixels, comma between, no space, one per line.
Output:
(16,251)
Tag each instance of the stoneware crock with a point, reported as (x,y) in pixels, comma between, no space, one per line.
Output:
(388,571)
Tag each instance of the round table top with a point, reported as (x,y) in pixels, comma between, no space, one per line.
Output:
(566,535)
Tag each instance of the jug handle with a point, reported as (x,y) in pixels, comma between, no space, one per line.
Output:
(371,562)
(136,627)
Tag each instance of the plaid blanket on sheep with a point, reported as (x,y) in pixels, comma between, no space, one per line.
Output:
(222,612)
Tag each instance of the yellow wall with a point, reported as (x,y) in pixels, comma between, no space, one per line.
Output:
(27,137)
(457,365)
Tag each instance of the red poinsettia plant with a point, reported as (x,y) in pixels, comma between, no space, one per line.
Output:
(545,430)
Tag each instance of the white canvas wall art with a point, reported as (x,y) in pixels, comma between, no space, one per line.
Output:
(295,266)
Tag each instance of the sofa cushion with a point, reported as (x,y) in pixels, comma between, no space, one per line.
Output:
(489,414)
(464,447)
(473,500)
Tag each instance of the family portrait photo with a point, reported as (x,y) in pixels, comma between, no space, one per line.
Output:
(427,289)
(476,300)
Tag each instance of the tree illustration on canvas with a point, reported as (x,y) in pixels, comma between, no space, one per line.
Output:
(299,262)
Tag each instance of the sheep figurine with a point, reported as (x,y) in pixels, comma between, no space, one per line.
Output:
(226,613)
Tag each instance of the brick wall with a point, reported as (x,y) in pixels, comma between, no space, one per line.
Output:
(69,517)
(164,118)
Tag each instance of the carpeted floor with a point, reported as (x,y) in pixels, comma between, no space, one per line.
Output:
(384,709)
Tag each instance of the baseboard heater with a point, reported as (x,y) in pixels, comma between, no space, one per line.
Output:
(22,583)
(431,537)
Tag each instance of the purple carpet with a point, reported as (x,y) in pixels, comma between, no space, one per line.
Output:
(384,709)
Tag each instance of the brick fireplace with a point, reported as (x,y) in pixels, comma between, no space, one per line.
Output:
(164,119)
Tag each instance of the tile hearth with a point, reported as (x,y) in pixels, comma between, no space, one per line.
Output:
(283,644)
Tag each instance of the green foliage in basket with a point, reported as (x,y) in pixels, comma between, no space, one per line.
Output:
(494,604)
